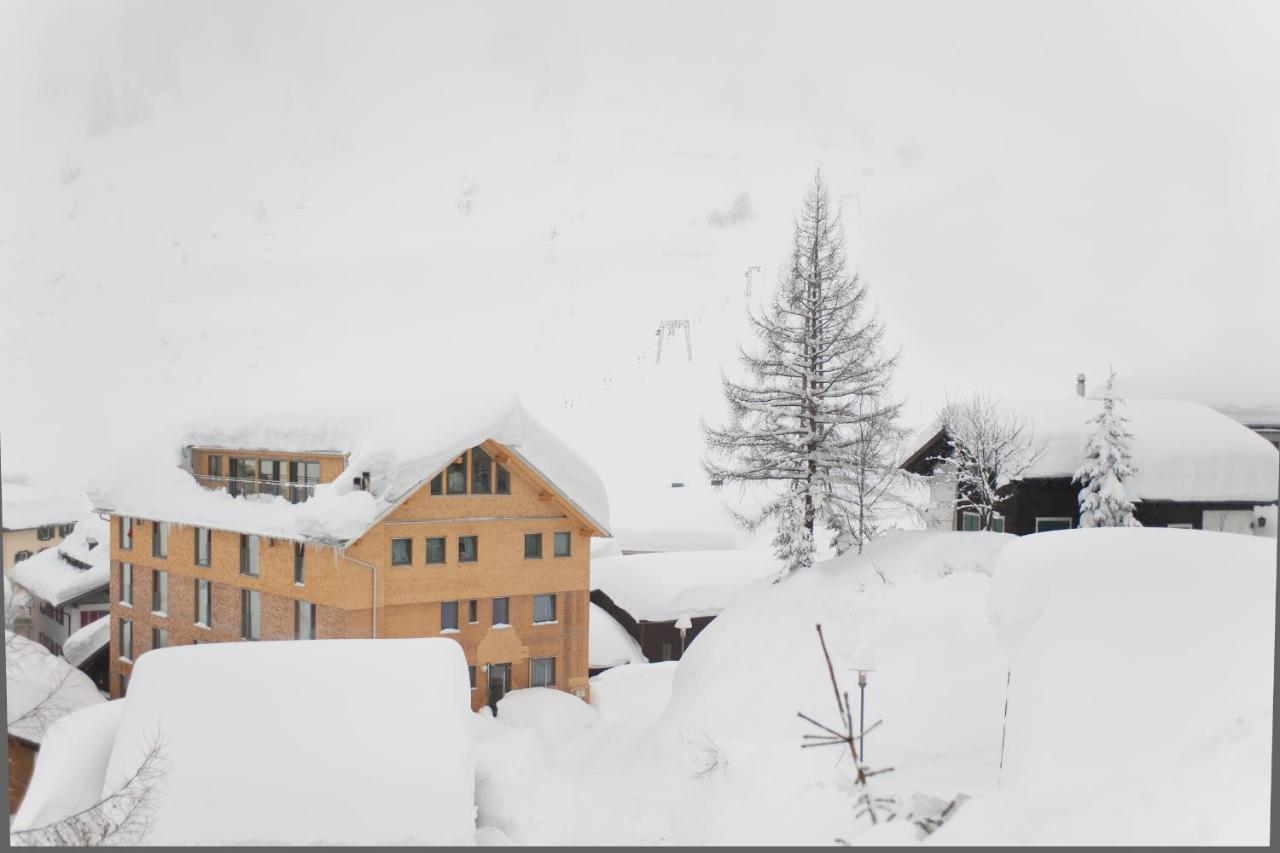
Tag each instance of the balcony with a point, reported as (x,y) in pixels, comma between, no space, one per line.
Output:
(236,486)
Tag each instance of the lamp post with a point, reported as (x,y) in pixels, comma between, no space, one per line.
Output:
(864,661)
(683,624)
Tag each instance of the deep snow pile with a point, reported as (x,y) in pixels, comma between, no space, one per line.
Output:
(27,506)
(304,742)
(41,688)
(83,642)
(1140,700)
(609,644)
(79,564)
(665,586)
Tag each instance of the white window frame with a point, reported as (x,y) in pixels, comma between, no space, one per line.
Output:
(533,661)
(1066,518)
(554,608)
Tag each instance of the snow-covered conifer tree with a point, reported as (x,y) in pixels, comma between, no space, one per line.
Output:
(818,374)
(1104,501)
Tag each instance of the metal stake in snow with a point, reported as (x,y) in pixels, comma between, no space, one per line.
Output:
(864,661)
(751,272)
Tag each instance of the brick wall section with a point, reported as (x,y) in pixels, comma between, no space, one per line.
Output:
(408,597)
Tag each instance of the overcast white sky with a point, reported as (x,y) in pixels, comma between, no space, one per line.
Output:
(256,202)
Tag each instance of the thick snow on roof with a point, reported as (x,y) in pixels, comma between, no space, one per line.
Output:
(1183,451)
(1254,416)
(304,742)
(85,641)
(927,554)
(42,688)
(57,575)
(71,765)
(31,506)
(694,517)
(401,444)
(664,587)
(610,644)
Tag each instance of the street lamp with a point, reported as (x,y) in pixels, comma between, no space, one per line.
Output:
(864,661)
(683,624)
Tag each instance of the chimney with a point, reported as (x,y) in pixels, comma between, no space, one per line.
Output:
(1079,384)
(677,481)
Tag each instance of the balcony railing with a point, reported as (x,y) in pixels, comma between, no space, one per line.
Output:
(294,492)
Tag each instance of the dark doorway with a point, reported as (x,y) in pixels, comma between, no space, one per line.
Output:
(499,683)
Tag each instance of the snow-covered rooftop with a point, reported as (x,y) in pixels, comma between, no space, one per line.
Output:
(609,643)
(694,517)
(664,587)
(84,642)
(42,688)
(1254,416)
(80,564)
(304,742)
(28,506)
(1183,451)
(402,444)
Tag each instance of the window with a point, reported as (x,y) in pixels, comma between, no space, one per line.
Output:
(473,611)
(126,639)
(88,617)
(533,546)
(299,568)
(64,530)
(468,549)
(214,465)
(248,554)
(503,482)
(1185,526)
(435,549)
(448,616)
(126,533)
(562,544)
(667,650)
(202,546)
(44,532)
(160,539)
(542,672)
(970,521)
(1043,525)
(303,476)
(159,638)
(401,552)
(481,472)
(269,469)
(471,674)
(250,614)
(456,476)
(159,592)
(242,470)
(501,611)
(123,681)
(21,555)
(544,608)
(304,620)
(126,583)
(203,615)
(437,484)
(997,524)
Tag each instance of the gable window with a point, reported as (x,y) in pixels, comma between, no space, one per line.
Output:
(126,533)
(448,616)
(456,476)
(563,541)
(44,532)
(202,546)
(299,567)
(159,638)
(481,472)
(468,549)
(126,639)
(160,539)
(250,614)
(542,672)
(473,614)
(304,620)
(203,616)
(532,546)
(401,552)
(249,554)
(544,608)
(159,592)
(126,584)
(501,611)
(435,549)
(437,484)
(1044,525)
(503,482)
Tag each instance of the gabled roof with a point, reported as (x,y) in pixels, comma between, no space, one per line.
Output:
(1183,451)
(79,565)
(662,587)
(32,506)
(402,444)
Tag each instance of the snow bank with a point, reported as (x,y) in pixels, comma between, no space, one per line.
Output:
(401,443)
(665,586)
(625,691)
(71,765)
(1140,701)
(610,644)
(42,688)
(28,506)
(558,717)
(79,564)
(82,643)
(304,742)
(1183,451)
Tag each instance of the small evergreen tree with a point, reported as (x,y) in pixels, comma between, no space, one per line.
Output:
(1104,502)
(818,375)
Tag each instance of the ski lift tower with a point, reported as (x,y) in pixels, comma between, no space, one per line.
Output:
(668,329)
